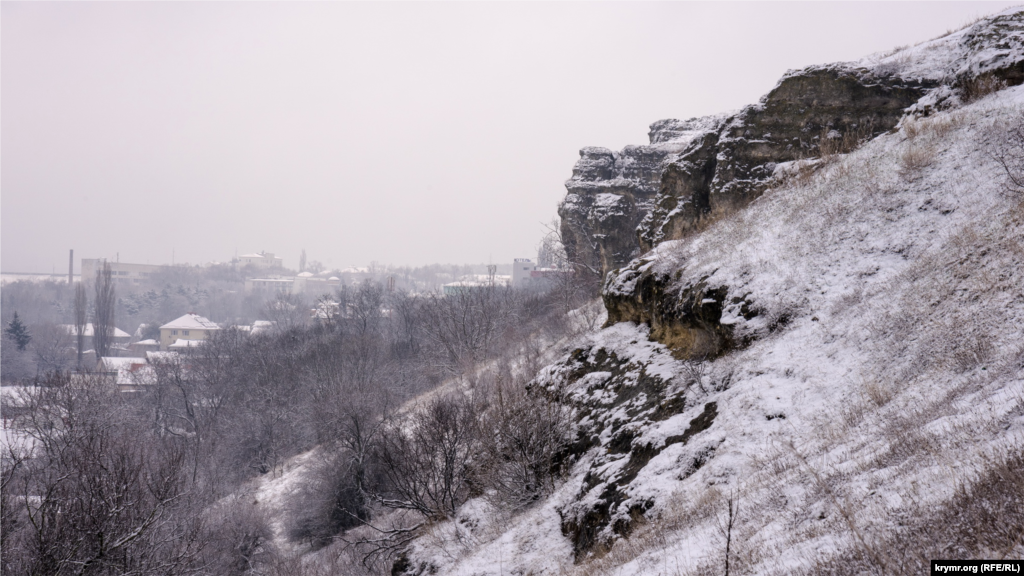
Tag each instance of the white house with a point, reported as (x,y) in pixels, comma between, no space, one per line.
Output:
(188,327)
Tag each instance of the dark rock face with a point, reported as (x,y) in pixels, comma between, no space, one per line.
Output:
(685,318)
(684,195)
(620,204)
(789,122)
(610,193)
(605,508)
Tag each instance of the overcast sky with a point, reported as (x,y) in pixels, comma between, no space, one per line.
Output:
(389,132)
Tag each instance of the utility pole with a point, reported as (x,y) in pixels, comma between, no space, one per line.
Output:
(71,267)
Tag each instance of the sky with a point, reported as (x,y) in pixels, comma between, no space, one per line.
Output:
(389,132)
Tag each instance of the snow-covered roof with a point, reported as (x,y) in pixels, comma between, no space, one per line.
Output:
(156,356)
(118,333)
(251,256)
(112,363)
(305,274)
(191,322)
(148,342)
(184,344)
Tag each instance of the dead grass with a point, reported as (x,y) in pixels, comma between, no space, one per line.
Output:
(914,159)
(832,143)
(976,88)
(879,393)
(982,520)
(934,127)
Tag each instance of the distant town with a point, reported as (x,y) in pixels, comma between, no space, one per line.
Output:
(160,311)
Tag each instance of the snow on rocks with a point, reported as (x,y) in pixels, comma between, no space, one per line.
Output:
(881,371)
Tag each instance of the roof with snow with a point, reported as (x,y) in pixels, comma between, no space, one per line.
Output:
(118,333)
(112,363)
(155,356)
(191,322)
(181,344)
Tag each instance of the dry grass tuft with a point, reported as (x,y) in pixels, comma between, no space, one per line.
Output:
(914,158)
(978,87)
(878,393)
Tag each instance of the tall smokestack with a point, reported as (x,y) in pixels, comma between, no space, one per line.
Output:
(71,267)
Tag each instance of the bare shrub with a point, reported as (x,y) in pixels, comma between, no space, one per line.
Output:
(832,142)
(238,537)
(522,435)
(1009,152)
(330,500)
(914,158)
(696,370)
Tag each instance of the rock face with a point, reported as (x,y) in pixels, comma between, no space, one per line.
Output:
(635,412)
(621,204)
(686,319)
(610,192)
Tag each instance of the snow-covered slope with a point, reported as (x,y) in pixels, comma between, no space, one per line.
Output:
(879,386)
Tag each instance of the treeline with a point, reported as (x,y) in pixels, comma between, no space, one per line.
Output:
(102,482)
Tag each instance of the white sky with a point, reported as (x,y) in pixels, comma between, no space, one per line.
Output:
(390,132)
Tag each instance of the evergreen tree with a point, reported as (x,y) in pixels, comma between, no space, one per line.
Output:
(17,332)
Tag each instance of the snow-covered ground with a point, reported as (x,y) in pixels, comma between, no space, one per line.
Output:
(896,381)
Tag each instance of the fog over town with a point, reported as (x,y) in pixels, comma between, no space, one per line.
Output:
(477,289)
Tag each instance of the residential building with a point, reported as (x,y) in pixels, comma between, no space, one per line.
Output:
(526,274)
(188,327)
(120,337)
(261,259)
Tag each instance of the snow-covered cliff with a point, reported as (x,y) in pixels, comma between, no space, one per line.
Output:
(830,373)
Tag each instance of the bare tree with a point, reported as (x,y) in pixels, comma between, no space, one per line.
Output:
(81,304)
(97,496)
(726,527)
(464,327)
(103,319)
(52,347)
(580,280)
(1009,152)
(426,457)
(287,311)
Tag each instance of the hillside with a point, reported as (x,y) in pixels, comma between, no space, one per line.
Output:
(817,359)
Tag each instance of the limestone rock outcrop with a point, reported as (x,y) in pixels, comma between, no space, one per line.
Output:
(621,204)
